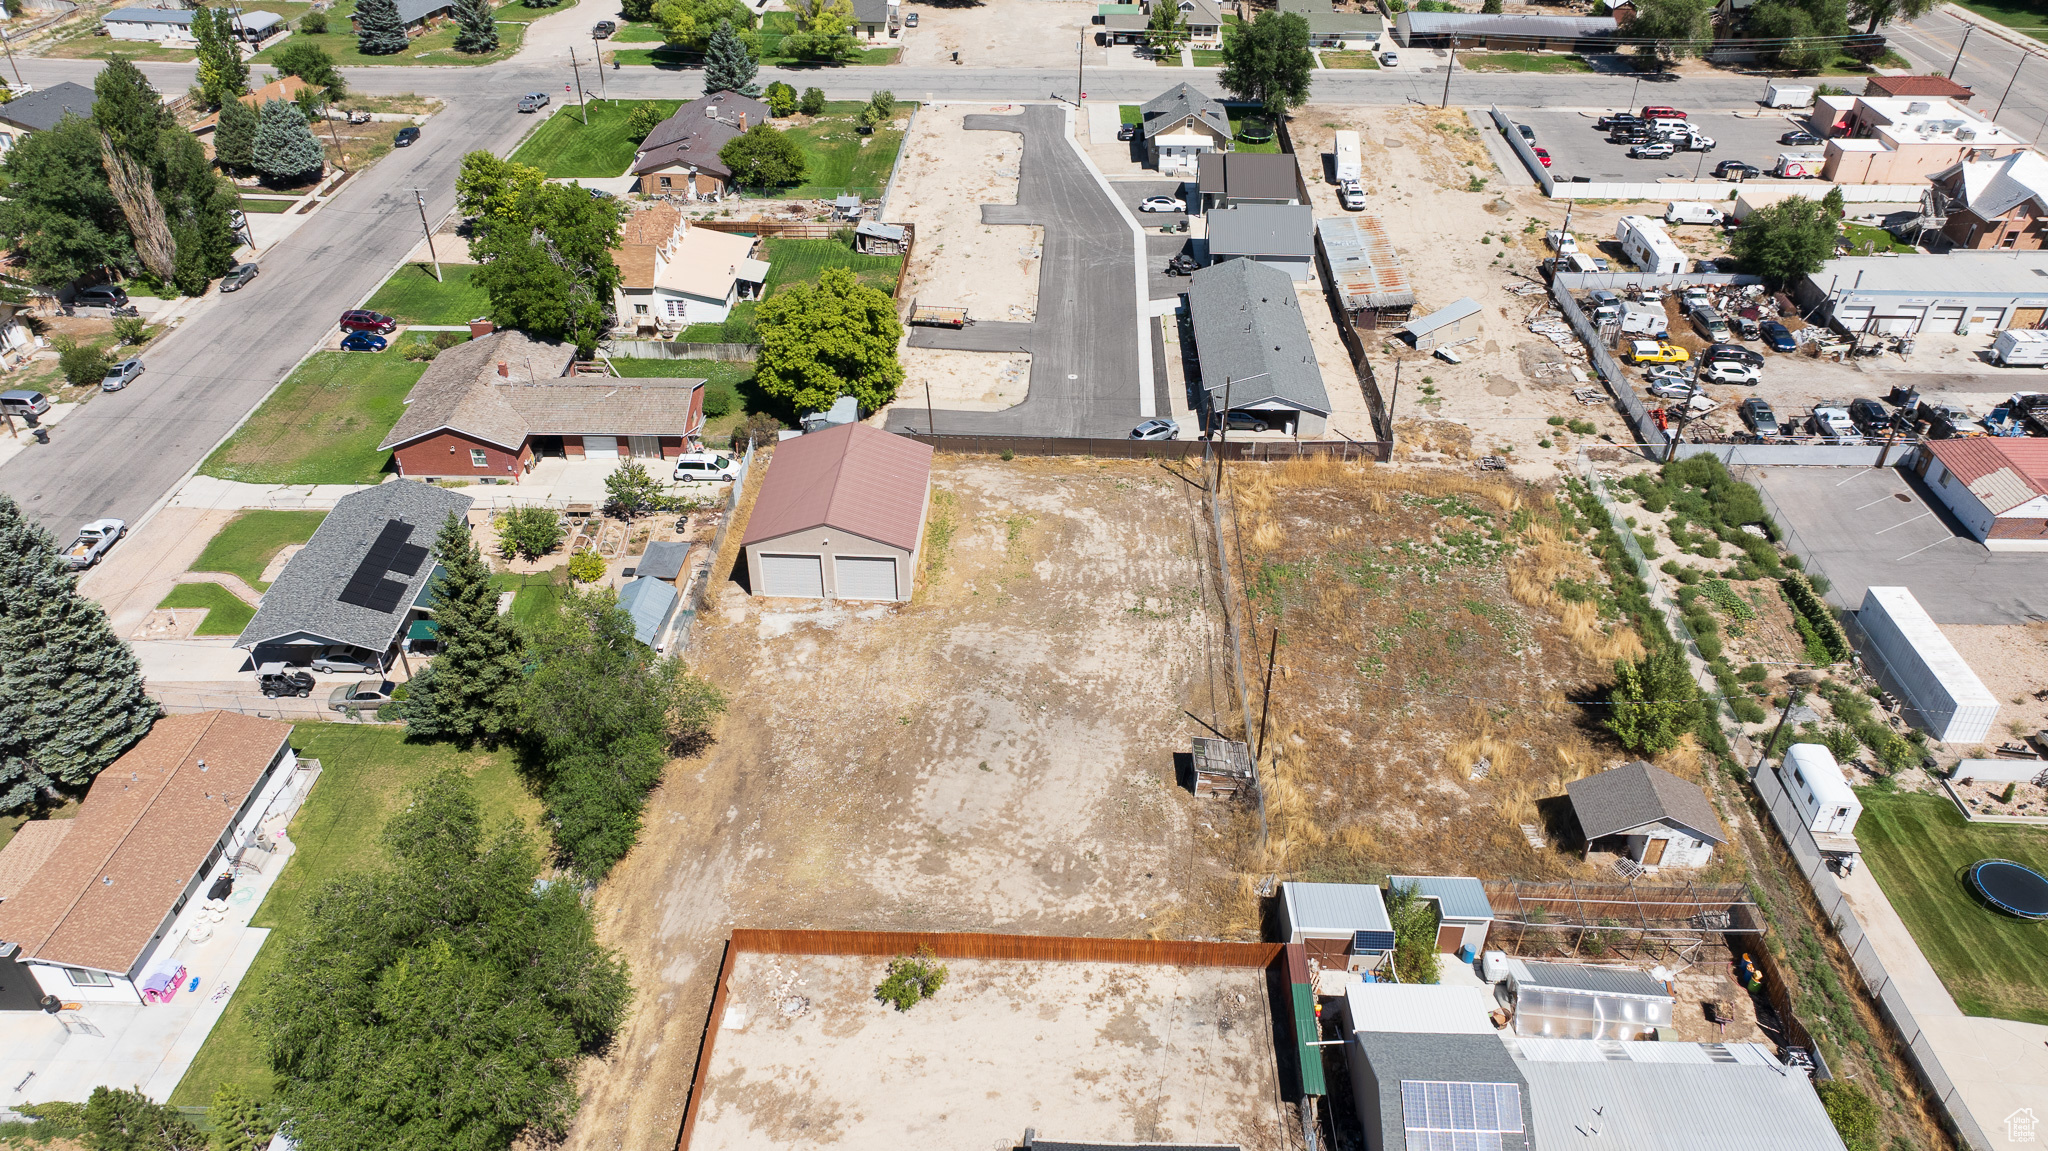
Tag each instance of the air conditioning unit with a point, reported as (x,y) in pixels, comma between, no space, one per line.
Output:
(1918,108)
(1966,133)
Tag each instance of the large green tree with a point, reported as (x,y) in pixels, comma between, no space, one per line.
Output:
(1653,701)
(239,1122)
(470,692)
(476,27)
(379,31)
(311,63)
(546,263)
(1167,31)
(60,215)
(1668,29)
(824,31)
(71,696)
(1806,33)
(1268,61)
(223,74)
(128,108)
(285,148)
(830,339)
(1787,240)
(763,157)
(118,1120)
(602,714)
(729,66)
(442,1001)
(492,188)
(1881,12)
(234,135)
(689,24)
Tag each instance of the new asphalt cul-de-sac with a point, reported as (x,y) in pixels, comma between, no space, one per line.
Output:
(1084,339)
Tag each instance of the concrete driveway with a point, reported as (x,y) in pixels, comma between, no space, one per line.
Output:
(1086,376)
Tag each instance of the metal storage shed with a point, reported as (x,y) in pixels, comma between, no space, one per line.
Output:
(650,602)
(1572,1001)
(1368,275)
(1919,664)
(1332,920)
(1463,913)
(663,560)
(840,516)
(1444,324)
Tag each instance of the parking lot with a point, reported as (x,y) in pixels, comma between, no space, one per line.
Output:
(1578,148)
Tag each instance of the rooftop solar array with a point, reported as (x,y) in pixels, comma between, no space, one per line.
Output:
(1460,1116)
(372,586)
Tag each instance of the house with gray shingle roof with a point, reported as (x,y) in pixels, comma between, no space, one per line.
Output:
(1181,124)
(40,110)
(1647,815)
(1256,355)
(497,405)
(360,582)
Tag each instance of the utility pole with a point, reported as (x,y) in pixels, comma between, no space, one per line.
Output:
(2008,85)
(327,114)
(1967,29)
(1448,69)
(597,54)
(1394,397)
(580,101)
(8,41)
(421,200)
(931,423)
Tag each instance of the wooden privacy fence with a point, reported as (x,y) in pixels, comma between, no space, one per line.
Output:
(1155,449)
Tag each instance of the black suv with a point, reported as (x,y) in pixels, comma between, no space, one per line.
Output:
(1736,170)
(1735,352)
(1870,417)
(1619,120)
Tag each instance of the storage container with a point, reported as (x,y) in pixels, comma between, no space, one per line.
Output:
(1937,690)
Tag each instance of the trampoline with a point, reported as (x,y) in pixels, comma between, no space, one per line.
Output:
(2013,888)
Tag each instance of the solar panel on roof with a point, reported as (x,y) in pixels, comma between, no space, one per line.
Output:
(1367,942)
(370,585)
(1440,1116)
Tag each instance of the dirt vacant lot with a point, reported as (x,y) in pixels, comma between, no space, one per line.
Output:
(996,755)
(807,1058)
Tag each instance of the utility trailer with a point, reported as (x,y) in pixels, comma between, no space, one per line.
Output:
(934,316)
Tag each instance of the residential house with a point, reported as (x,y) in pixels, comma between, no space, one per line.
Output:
(680,156)
(153,24)
(1963,292)
(1999,204)
(877,19)
(284,88)
(102,912)
(419,14)
(1279,235)
(840,515)
(1180,125)
(1646,815)
(672,274)
(1228,179)
(1512,32)
(1359,259)
(1204,19)
(1256,356)
(1120,27)
(493,407)
(361,584)
(40,110)
(1997,486)
(1918,87)
(1901,140)
(1329,28)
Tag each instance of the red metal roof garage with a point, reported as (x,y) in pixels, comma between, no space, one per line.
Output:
(840,516)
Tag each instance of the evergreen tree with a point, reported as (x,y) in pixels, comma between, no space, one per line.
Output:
(233,136)
(70,692)
(813,101)
(476,29)
(117,1120)
(239,1122)
(223,75)
(474,682)
(728,66)
(379,31)
(129,110)
(284,145)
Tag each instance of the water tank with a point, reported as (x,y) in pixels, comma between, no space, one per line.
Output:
(1495,966)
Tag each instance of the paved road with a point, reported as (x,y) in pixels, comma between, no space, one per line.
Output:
(1988,64)
(1084,340)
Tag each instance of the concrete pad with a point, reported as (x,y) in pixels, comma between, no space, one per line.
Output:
(1103,121)
(209,660)
(142,569)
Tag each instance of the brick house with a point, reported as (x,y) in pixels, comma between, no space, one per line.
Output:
(492,407)
(1999,203)
(680,157)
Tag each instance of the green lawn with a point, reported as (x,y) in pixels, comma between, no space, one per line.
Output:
(251,540)
(717,429)
(364,774)
(1238,121)
(2025,15)
(1916,847)
(1208,57)
(226,614)
(802,260)
(323,424)
(1131,113)
(436,47)
(272,205)
(1350,60)
(837,158)
(1868,239)
(533,595)
(413,296)
(1527,62)
(736,328)
(566,149)
(634,33)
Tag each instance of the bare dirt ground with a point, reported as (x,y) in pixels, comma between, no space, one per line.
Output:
(964,381)
(2013,663)
(947,174)
(996,755)
(807,1058)
(997,34)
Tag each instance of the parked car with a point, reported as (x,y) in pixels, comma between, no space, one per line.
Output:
(102,296)
(1758,415)
(1736,170)
(92,542)
(362,342)
(1778,336)
(406,138)
(120,375)
(1654,150)
(1162,204)
(1126,131)
(1948,421)
(1241,422)
(1389,60)
(1351,194)
(910,19)
(1632,134)
(1542,154)
(1668,373)
(706,467)
(1695,141)
(1735,352)
(1870,417)
(238,220)
(341,657)
(1660,112)
(1832,424)
(1656,352)
(364,320)
(238,277)
(1732,372)
(276,679)
(533,101)
(26,403)
(1799,136)
(1618,120)
(1527,132)
(1672,389)
(1156,430)
(364,695)
(603,29)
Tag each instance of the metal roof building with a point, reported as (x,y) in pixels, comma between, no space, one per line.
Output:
(1593,1096)
(663,560)
(1957,292)
(1443,325)
(651,603)
(840,516)
(1507,31)
(1255,351)
(1463,913)
(1359,258)
(1575,1001)
(1338,924)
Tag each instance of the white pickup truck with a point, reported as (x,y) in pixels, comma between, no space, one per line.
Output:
(93,541)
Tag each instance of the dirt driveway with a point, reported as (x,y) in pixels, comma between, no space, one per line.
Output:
(997,755)
(997,33)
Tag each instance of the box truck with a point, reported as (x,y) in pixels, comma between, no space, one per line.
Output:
(2020,348)
(1798,165)
(1788,95)
(1349,164)
(1937,690)
(1648,246)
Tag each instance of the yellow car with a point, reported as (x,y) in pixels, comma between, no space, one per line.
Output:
(1656,352)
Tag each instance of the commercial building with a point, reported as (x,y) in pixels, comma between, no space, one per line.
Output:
(1228,180)
(1997,486)
(1359,259)
(1995,204)
(1901,140)
(1646,815)
(841,515)
(1179,126)
(495,406)
(1281,236)
(1965,293)
(1256,358)
(1918,87)
(1509,32)
(680,156)
(673,274)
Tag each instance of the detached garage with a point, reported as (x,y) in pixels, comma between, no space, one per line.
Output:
(840,516)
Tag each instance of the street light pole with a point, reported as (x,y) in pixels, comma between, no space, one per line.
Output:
(1959,50)
(421,200)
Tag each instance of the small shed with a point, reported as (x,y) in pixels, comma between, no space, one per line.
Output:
(1367,273)
(651,603)
(1826,802)
(663,560)
(1338,924)
(1463,913)
(1578,1001)
(1222,766)
(878,239)
(840,516)
(1443,325)
(1646,815)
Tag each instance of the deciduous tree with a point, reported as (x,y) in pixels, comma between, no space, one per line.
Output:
(59,214)
(1654,701)
(311,63)
(476,28)
(824,31)
(71,696)
(1880,12)
(1167,31)
(493,187)
(830,339)
(284,148)
(688,24)
(1784,241)
(1268,61)
(379,31)
(728,64)
(763,157)
(529,532)
(631,491)
(781,99)
(813,102)
(223,74)
(546,262)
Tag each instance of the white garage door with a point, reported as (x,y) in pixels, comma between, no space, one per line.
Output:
(793,575)
(866,577)
(1945,319)
(601,447)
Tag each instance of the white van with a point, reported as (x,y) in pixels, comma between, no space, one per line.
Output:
(1691,212)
